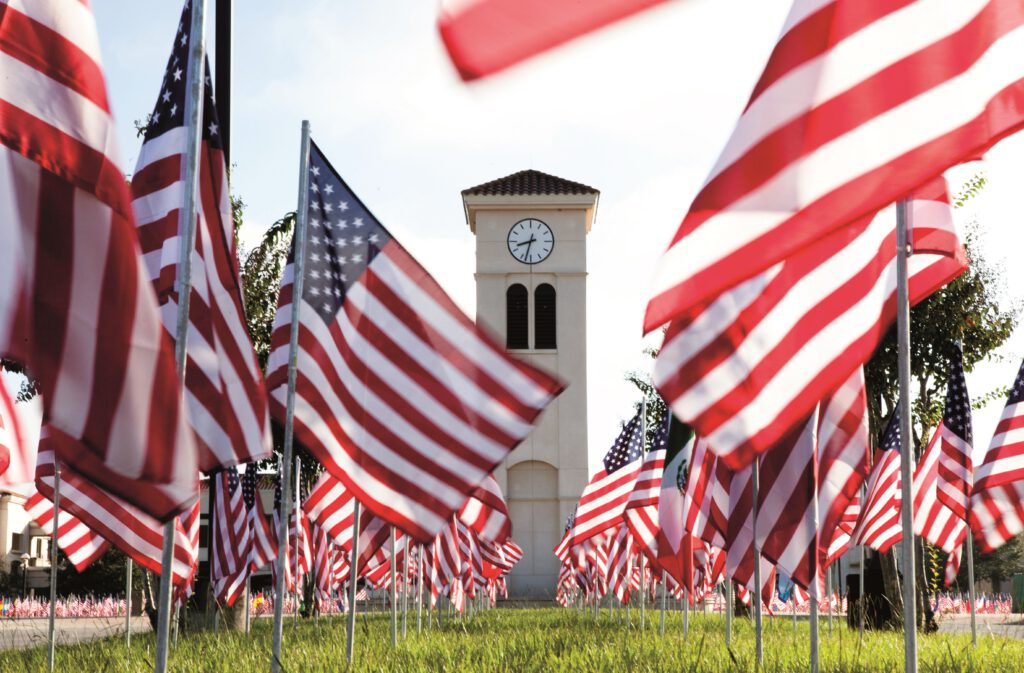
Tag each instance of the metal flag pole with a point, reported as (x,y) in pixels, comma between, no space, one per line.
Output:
(813,617)
(128,603)
(903,252)
(224,34)
(299,246)
(248,603)
(353,580)
(728,610)
(643,557)
(812,607)
(405,585)
(394,588)
(52,629)
(970,590)
(686,614)
(419,590)
(643,590)
(664,600)
(830,592)
(755,477)
(298,533)
(187,230)
(861,600)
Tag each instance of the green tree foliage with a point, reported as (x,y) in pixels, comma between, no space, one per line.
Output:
(972,309)
(261,278)
(656,407)
(997,566)
(105,577)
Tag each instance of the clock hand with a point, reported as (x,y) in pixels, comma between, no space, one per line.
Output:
(519,245)
(529,244)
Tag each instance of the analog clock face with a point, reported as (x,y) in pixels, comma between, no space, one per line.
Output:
(530,241)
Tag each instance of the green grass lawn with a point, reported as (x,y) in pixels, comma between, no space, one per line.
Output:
(543,640)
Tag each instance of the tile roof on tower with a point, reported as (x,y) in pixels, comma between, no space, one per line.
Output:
(529,182)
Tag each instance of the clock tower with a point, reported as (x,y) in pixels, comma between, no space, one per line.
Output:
(531,292)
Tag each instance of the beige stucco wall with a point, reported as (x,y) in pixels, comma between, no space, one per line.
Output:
(553,458)
(14,520)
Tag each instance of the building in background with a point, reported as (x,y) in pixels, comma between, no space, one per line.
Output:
(531,293)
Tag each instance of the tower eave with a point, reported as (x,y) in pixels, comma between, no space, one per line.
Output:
(472,203)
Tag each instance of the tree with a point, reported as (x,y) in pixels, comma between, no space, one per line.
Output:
(261,278)
(972,309)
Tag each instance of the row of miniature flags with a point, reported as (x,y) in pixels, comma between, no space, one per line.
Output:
(71,606)
(686,512)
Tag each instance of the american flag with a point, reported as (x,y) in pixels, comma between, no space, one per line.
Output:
(77,308)
(189,521)
(879,525)
(231,541)
(997,501)
(485,36)
(495,555)
(739,534)
(562,548)
(843,465)
(472,562)
(299,555)
(264,542)
(787,523)
(125,526)
(842,535)
(604,499)
(399,394)
(749,366)
(933,520)
(445,562)
(325,553)
(956,440)
(953,565)
(621,557)
(641,511)
(808,481)
(332,507)
(486,513)
(513,551)
(835,130)
(81,545)
(224,391)
(289,542)
(708,517)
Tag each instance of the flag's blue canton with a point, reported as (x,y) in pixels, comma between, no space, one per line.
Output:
(1017,392)
(232,479)
(891,436)
(277,493)
(627,448)
(342,238)
(570,521)
(957,414)
(661,436)
(249,486)
(169,112)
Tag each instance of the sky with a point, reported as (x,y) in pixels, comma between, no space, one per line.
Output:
(639,110)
